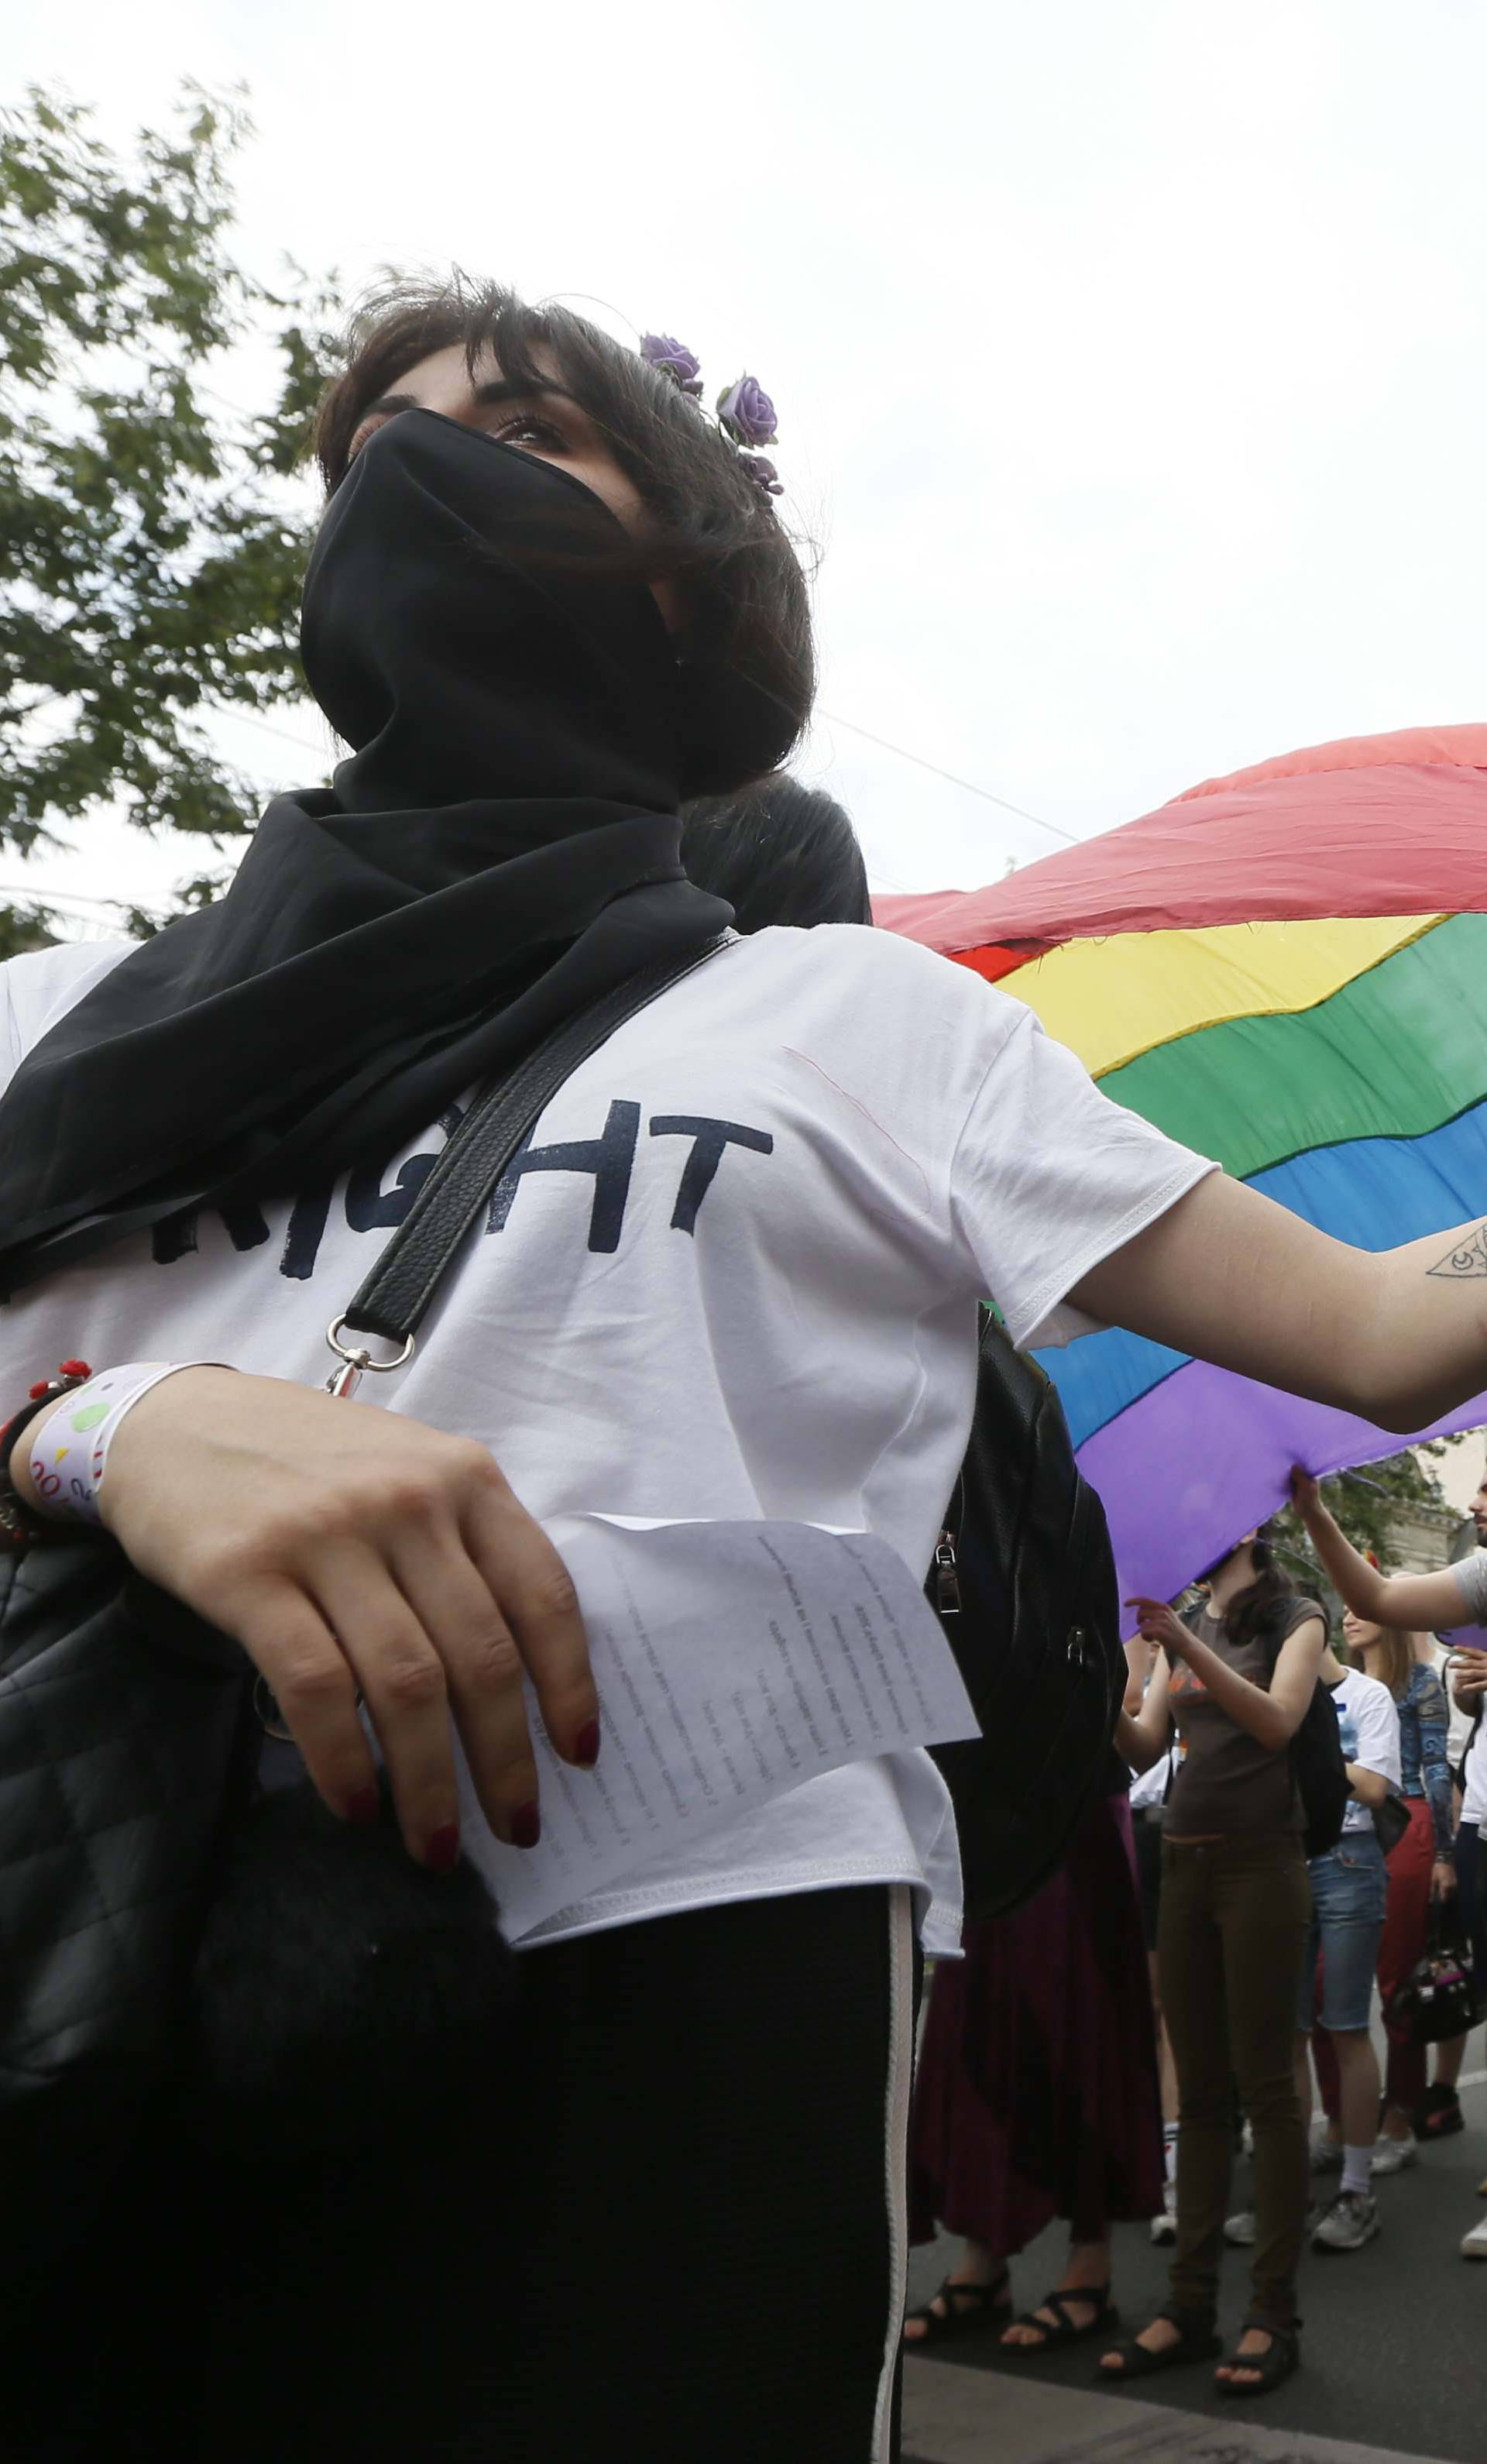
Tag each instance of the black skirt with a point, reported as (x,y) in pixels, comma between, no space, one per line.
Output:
(673,2227)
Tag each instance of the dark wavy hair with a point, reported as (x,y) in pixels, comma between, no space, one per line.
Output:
(1252,1611)
(780,853)
(746,653)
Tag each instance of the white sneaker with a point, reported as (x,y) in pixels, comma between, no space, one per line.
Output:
(1163,2227)
(1243,2231)
(1392,2155)
(1326,2156)
(1474,2244)
(1351,2220)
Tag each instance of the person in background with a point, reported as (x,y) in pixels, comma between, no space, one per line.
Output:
(1399,1604)
(780,854)
(1149,1795)
(1037,2095)
(1469,1686)
(1421,1867)
(1235,1906)
(1439,2115)
(1349,1889)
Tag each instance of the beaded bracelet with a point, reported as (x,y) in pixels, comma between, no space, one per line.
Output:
(19,1527)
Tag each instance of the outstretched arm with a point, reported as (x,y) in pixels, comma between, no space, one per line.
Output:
(1416,1603)
(1398,1337)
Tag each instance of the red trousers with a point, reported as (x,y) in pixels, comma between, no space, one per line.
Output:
(1405,1919)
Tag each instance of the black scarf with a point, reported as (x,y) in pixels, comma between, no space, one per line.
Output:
(501,848)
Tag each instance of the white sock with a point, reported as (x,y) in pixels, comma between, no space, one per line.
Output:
(1169,2148)
(1357,2170)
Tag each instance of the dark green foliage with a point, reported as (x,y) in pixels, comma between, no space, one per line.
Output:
(150,543)
(25,928)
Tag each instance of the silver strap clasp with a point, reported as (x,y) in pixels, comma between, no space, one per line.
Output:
(356,1359)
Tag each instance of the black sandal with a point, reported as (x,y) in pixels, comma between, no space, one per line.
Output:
(1062,2329)
(1196,2341)
(1270,2368)
(986,2304)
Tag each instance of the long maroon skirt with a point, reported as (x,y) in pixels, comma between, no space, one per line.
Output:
(1038,2094)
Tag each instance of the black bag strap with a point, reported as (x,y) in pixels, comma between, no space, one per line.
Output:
(1458,1774)
(1445,1931)
(392,1300)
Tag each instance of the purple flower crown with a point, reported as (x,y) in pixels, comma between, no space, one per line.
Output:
(745,412)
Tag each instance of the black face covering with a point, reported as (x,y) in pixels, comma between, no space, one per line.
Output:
(501,848)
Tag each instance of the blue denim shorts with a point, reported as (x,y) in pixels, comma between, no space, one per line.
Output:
(1349,1889)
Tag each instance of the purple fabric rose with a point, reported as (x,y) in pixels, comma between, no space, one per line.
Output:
(763,474)
(674,359)
(746,413)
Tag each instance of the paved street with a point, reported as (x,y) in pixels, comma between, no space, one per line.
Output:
(1394,2366)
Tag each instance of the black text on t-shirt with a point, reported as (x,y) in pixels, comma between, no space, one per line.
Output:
(608,1160)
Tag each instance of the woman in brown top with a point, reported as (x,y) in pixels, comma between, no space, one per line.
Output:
(1235,1902)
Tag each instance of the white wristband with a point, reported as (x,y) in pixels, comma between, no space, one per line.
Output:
(69,1453)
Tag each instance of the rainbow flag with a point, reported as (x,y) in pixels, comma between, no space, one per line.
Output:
(1287,970)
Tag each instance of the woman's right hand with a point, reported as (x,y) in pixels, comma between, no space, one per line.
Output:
(1305,1492)
(345,1546)
(1160,1625)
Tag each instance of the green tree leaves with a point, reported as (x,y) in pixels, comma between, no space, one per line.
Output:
(150,540)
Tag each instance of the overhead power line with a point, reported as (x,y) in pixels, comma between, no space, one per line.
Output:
(75,899)
(833,718)
(320,753)
(250,718)
(954,777)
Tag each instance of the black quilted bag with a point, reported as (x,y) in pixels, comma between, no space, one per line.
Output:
(170,1928)
(1024,1583)
(126,1746)
(1440,1998)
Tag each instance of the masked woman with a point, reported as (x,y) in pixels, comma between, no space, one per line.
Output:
(733,1274)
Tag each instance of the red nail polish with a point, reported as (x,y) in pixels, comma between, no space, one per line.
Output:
(366,1806)
(526,1826)
(443,1850)
(586,1745)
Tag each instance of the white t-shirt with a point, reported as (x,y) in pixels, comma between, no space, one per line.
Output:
(735,1275)
(1471,1577)
(1369,1719)
(1474,1794)
(1150,1786)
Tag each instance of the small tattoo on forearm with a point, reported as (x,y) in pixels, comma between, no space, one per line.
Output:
(1469,1259)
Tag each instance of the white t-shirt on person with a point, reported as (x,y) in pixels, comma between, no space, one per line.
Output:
(1369,1719)
(735,1275)
(1471,1576)
(1150,1786)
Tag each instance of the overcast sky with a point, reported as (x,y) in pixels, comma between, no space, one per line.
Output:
(1130,355)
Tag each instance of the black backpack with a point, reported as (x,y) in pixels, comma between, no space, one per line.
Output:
(1321,1774)
(1024,1583)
